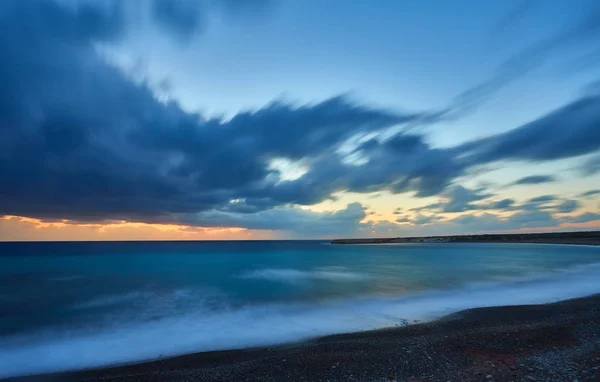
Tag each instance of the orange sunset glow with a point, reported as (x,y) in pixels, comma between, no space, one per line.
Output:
(15,228)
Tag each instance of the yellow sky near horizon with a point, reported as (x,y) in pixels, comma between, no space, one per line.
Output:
(380,219)
(16,228)
(380,207)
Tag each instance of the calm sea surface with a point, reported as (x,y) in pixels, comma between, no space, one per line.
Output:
(75,305)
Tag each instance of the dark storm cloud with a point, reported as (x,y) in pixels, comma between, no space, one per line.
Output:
(568,132)
(403,163)
(535,179)
(80,140)
(302,222)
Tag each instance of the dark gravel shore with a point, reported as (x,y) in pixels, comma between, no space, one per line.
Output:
(552,342)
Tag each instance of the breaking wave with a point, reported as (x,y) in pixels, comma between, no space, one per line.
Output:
(205,327)
(294,275)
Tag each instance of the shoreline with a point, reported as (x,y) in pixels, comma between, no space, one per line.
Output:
(591,238)
(555,341)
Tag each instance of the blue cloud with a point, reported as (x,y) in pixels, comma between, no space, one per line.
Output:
(567,206)
(419,219)
(183,18)
(591,166)
(535,179)
(584,218)
(542,199)
(80,140)
(503,204)
(301,222)
(459,199)
(570,131)
(590,193)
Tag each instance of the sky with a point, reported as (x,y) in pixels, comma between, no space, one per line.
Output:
(284,119)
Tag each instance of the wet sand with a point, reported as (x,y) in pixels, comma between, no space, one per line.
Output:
(550,342)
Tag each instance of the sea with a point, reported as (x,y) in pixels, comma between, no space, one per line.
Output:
(76,305)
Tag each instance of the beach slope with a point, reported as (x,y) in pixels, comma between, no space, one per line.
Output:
(550,342)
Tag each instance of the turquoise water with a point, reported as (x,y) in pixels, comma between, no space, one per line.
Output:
(77,305)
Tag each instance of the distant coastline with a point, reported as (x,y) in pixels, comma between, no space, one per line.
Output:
(578,238)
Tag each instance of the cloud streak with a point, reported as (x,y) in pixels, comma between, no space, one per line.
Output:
(568,132)
(535,179)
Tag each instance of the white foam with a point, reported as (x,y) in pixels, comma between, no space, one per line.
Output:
(295,276)
(203,329)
